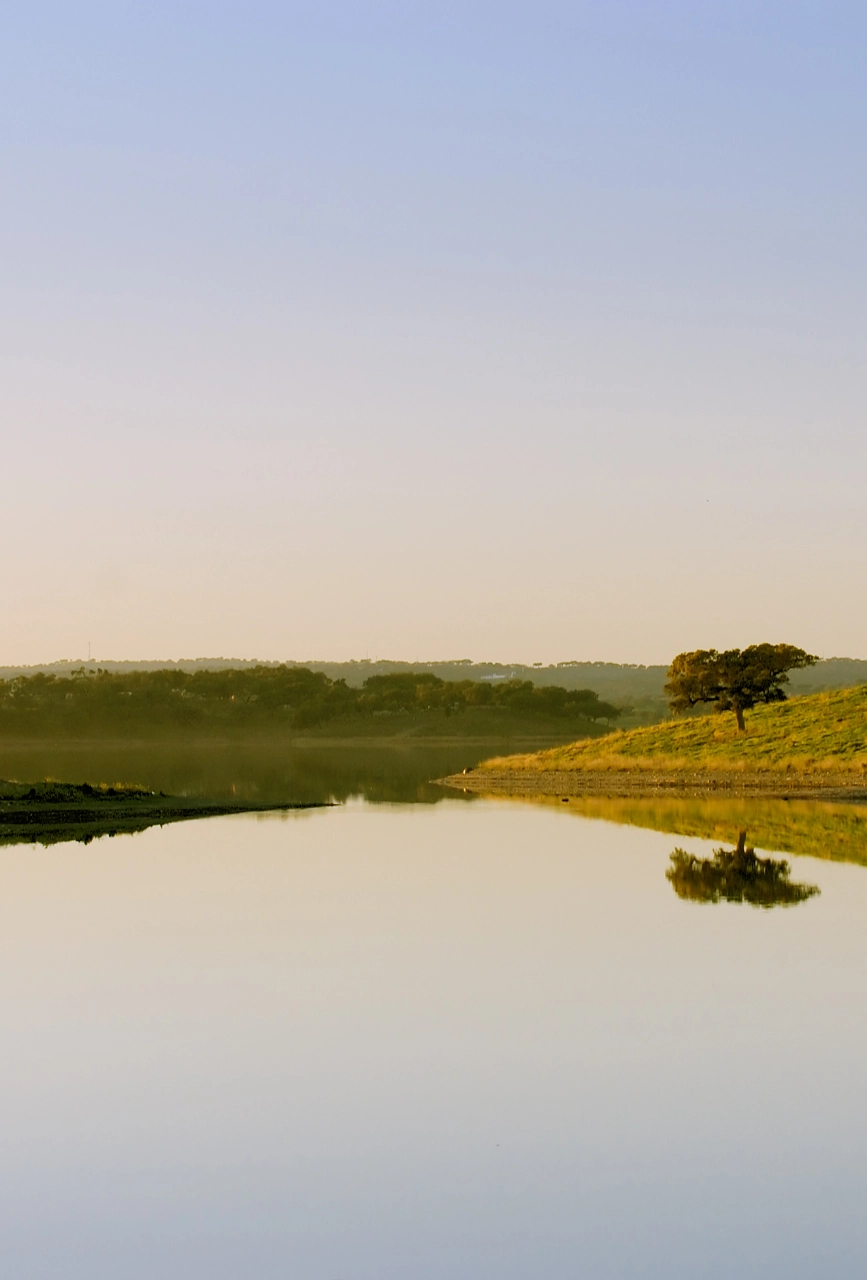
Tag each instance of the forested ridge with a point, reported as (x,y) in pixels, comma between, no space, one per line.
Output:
(265,698)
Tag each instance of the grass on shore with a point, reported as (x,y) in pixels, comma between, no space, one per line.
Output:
(823,733)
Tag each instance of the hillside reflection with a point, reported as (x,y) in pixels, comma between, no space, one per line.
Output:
(816,829)
(735,875)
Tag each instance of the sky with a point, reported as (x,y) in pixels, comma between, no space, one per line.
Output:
(517,331)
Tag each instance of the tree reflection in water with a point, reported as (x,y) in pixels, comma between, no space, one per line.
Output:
(735,875)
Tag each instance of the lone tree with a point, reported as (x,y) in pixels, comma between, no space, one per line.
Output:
(734,680)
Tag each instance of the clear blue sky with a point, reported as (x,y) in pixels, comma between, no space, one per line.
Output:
(526,331)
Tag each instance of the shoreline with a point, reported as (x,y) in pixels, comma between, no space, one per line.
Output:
(573,782)
(49,812)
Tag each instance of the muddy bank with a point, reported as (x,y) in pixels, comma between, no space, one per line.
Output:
(515,782)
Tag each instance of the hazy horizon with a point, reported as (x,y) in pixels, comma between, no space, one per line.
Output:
(467,328)
(378,660)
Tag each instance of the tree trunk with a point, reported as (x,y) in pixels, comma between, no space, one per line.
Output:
(740,715)
(742,843)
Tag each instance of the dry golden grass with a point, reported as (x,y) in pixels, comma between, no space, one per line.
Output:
(825,733)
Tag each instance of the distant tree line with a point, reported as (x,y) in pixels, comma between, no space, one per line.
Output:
(264,697)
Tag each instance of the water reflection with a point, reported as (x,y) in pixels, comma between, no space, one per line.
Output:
(280,773)
(464,1034)
(735,875)
(812,828)
(275,772)
(257,775)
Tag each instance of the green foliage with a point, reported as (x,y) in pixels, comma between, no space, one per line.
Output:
(734,680)
(263,698)
(411,692)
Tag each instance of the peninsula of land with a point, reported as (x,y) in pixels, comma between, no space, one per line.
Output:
(48,812)
(813,746)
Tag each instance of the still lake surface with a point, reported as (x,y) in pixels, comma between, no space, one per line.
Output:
(426,1037)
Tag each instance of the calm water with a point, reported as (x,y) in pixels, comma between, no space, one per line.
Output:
(443,1040)
(253,772)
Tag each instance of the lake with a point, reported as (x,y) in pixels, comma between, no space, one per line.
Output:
(435,1038)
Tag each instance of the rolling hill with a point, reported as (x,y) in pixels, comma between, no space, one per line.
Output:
(812,742)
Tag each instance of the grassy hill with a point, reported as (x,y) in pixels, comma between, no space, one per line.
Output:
(824,733)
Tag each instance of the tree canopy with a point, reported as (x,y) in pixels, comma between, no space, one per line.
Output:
(735,679)
(272,698)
